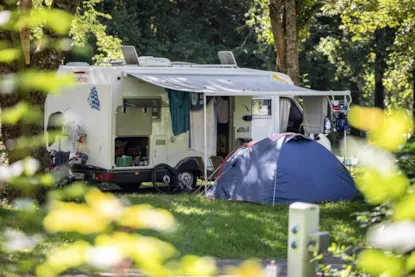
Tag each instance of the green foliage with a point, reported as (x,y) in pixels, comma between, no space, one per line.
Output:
(87,23)
(393,21)
(190,31)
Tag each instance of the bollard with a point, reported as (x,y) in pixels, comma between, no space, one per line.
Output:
(304,238)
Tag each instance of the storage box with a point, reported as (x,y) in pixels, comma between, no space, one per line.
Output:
(124,161)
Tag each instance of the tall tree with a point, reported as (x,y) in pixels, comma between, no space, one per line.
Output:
(292,45)
(45,52)
(391,24)
(43,59)
(282,23)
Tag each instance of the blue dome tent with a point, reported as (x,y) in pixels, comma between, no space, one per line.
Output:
(283,169)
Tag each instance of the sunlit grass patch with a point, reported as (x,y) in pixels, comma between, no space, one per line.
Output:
(239,230)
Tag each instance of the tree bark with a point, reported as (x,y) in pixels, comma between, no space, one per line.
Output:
(413,92)
(277,13)
(292,44)
(380,65)
(45,60)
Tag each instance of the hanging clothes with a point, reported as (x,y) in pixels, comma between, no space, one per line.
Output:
(196,101)
(222,109)
(179,111)
(197,138)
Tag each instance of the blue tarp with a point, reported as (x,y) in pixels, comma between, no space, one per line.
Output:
(284,170)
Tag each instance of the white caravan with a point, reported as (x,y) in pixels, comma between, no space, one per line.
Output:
(122,116)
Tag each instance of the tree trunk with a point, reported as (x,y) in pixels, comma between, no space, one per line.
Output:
(276,14)
(48,59)
(413,93)
(292,45)
(383,39)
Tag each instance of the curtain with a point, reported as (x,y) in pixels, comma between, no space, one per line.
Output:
(315,110)
(285,106)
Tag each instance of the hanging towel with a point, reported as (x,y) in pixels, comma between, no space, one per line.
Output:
(179,111)
(197,138)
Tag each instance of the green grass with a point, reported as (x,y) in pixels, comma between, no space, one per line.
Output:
(236,230)
(222,229)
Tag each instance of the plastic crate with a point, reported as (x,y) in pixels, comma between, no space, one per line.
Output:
(124,161)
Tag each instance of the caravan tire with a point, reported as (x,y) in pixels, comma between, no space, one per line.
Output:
(167,173)
(187,181)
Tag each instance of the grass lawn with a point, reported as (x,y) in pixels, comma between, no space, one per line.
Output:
(223,229)
(235,230)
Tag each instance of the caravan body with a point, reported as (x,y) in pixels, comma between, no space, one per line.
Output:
(122,105)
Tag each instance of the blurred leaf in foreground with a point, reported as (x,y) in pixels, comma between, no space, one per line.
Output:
(387,131)
(377,263)
(147,217)
(9,55)
(405,209)
(249,268)
(47,82)
(378,187)
(73,217)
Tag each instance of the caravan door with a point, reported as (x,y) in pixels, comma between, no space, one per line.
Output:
(265,111)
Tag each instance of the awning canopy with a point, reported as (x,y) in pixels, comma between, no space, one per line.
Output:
(230,85)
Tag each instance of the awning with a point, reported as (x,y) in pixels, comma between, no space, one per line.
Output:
(230,85)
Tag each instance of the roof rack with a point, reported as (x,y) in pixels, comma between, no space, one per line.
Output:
(77,64)
(204,65)
(112,62)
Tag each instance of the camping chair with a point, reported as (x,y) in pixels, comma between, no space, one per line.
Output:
(216,163)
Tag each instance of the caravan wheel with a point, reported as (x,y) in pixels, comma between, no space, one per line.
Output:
(187,181)
(164,178)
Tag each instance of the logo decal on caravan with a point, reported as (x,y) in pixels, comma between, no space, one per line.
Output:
(93,99)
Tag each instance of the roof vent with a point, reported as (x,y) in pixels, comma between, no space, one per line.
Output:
(227,57)
(130,54)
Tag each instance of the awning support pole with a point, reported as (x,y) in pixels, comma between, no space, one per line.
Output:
(345,131)
(205,139)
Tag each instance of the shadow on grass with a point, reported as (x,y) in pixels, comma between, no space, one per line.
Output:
(236,230)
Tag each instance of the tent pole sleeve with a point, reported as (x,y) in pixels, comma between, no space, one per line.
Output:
(205,140)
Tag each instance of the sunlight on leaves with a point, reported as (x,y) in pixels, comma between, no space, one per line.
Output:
(9,55)
(198,266)
(104,203)
(63,258)
(47,18)
(72,217)
(405,209)
(21,111)
(366,118)
(147,217)
(410,262)
(378,187)
(376,262)
(249,268)
(387,131)
(48,82)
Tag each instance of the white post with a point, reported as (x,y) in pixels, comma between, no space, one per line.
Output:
(205,139)
(303,220)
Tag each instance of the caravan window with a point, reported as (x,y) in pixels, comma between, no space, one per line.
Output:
(261,107)
(151,104)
